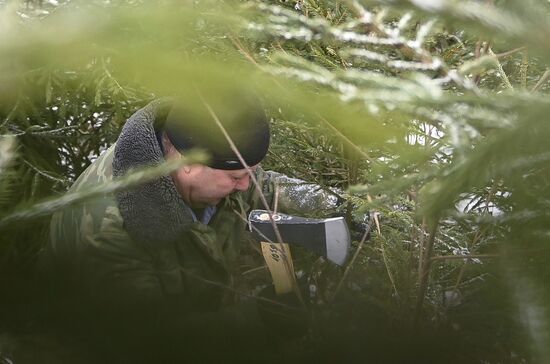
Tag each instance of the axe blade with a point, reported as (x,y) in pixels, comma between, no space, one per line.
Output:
(326,237)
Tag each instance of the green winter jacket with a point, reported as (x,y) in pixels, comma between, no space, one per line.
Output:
(143,245)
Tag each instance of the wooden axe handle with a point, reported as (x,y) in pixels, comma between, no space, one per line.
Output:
(281,273)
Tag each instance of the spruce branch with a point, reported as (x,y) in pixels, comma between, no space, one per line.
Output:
(424,273)
(45,174)
(510,52)
(132,179)
(501,72)
(541,81)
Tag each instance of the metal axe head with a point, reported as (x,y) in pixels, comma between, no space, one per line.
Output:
(327,237)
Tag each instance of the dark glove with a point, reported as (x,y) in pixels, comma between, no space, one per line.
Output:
(283,314)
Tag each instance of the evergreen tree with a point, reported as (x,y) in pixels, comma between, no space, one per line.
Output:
(428,114)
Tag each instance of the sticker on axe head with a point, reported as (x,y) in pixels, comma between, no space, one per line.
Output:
(265,217)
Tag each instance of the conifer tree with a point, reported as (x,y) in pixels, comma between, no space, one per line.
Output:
(429,114)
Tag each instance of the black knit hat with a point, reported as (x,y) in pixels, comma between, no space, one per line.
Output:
(247,125)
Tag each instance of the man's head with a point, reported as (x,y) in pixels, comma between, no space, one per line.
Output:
(186,128)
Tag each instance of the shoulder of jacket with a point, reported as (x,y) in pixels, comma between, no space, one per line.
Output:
(73,224)
(100,171)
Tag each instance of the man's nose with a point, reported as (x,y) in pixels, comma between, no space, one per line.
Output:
(243,183)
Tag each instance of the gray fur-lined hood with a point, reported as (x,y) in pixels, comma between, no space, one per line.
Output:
(154,211)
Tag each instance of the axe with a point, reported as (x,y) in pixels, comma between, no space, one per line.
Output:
(329,238)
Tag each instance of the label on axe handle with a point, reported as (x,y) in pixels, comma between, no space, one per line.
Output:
(283,278)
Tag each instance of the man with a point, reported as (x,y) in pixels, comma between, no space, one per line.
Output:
(170,247)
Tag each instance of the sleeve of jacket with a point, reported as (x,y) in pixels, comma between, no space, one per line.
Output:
(296,196)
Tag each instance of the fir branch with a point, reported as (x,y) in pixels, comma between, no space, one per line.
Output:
(541,81)
(510,52)
(424,273)
(132,179)
(501,72)
(45,174)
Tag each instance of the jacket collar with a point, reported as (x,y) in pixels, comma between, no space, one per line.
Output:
(152,212)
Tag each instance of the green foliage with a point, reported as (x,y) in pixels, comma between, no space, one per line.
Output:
(429,114)
(460,133)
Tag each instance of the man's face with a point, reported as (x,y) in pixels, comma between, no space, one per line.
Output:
(201,186)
